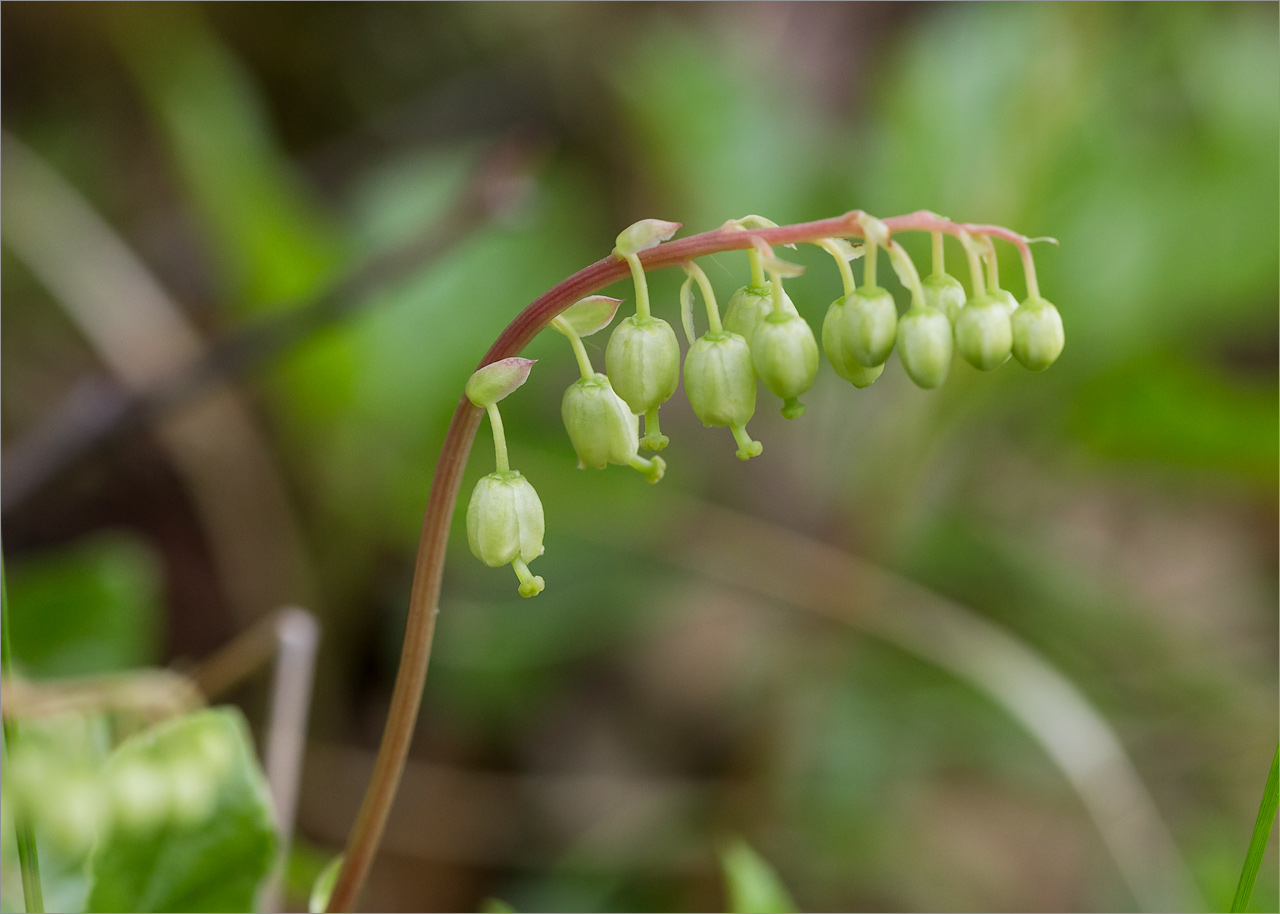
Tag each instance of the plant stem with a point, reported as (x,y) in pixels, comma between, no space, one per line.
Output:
(499,438)
(28,857)
(757,270)
(708,295)
(642,286)
(424,597)
(939,255)
(1261,832)
(579,350)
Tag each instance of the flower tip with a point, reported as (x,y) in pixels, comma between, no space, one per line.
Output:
(532,587)
(792,408)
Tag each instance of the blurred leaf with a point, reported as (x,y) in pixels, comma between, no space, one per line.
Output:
(214,865)
(93,607)
(323,887)
(496,906)
(1165,410)
(752,885)
(273,241)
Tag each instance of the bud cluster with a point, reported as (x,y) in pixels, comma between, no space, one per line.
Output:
(762,337)
(168,778)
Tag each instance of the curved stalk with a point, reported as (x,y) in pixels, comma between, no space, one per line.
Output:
(424,597)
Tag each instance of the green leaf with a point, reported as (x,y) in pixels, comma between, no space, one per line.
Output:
(1258,843)
(211,861)
(751,884)
(93,607)
(323,888)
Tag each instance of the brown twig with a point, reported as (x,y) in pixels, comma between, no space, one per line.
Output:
(424,597)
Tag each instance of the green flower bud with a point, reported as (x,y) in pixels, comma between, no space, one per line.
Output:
(193,789)
(505,525)
(748,306)
(643,363)
(870,326)
(721,385)
(1005,297)
(785,356)
(943,292)
(838,353)
(603,430)
(75,813)
(924,346)
(983,333)
(504,519)
(1037,334)
(139,794)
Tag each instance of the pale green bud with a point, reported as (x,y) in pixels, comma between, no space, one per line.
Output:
(193,789)
(139,794)
(924,346)
(603,429)
(600,425)
(74,813)
(785,356)
(838,353)
(943,292)
(643,362)
(748,306)
(870,326)
(1037,334)
(504,519)
(1005,297)
(983,333)
(721,385)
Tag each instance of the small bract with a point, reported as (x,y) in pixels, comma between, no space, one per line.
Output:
(983,333)
(1037,334)
(924,346)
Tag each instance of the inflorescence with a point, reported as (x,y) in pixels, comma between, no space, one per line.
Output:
(762,336)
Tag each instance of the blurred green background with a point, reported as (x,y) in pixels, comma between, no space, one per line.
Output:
(592,748)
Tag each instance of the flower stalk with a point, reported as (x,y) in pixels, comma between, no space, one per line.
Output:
(366,833)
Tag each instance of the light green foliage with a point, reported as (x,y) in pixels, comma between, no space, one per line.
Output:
(93,607)
(323,887)
(184,856)
(751,884)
